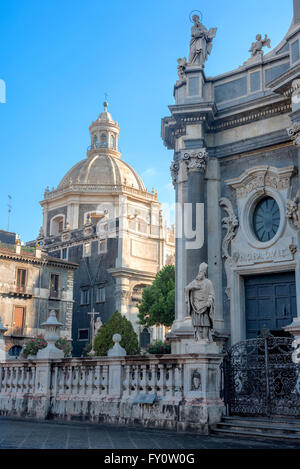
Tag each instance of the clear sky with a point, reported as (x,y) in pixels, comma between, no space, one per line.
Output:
(59,57)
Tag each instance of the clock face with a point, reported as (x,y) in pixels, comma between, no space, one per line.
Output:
(266,219)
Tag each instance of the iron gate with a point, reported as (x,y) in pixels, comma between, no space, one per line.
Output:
(261,378)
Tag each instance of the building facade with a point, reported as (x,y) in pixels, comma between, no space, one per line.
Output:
(31,285)
(102,217)
(236,154)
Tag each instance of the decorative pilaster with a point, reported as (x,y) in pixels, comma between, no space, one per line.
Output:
(196,250)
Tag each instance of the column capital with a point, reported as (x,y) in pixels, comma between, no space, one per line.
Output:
(174,168)
(195,160)
(294,133)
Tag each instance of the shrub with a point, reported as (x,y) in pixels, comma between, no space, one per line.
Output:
(34,345)
(64,344)
(159,348)
(86,350)
(39,342)
(117,324)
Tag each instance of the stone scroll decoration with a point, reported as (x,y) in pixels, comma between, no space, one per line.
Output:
(196,160)
(294,133)
(174,168)
(293,210)
(231,224)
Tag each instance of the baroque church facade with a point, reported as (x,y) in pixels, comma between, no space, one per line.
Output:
(235,139)
(102,217)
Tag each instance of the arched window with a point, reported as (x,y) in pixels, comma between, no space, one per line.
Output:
(103,140)
(144,338)
(112,142)
(15,351)
(95,141)
(57,225)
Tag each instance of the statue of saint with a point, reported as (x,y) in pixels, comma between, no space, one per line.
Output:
(200,298)
(201,42)
(182,63)
(98,324)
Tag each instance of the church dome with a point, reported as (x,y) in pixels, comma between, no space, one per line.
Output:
(102,169)
(103,165)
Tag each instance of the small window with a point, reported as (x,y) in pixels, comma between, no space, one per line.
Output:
(87,249)
(112,142)
(100,294)
(54,285)
(83,334)
(84,296)
(95,141)
(64,253)
(102,246)
(103,140)
(21,280)
(15,351)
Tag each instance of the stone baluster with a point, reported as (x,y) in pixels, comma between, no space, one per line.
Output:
(178,381)
(105,379)
(75,380)
(88,381)
(4,381)
(21,380)
(152,378)
(160,380)
(96,381)
(9,379)
(143,379)
(168,380)
(127,382)
(68,370)
(82,379)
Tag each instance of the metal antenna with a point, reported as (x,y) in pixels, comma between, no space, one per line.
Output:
(9,210)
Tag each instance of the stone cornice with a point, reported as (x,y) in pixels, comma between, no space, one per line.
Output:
(126,272)
(80,189)
(10,255)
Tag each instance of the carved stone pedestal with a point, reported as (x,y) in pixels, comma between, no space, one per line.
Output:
(203,347)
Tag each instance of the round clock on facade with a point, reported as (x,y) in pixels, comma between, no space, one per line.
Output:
(266,219)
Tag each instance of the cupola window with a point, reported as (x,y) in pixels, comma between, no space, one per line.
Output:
(103,140)
(95,141)
(112,142)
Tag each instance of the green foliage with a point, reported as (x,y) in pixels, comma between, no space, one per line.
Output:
(117,324)
(34,345)
(38,342)
(158,348)
(158,301)
(86,350)
(64,344)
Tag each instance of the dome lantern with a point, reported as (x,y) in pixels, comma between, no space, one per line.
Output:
(104,134)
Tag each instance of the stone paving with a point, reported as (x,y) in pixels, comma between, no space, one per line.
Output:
(24,434)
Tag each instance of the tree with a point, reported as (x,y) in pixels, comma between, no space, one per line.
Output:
(117,324)
(158,300)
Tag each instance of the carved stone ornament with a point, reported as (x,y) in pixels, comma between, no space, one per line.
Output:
(294,133)
(174,172)
(182,63)
(201,42)
(200,299)
(231,224)
(293,210)
(260,177)
(196,160)
(256,47)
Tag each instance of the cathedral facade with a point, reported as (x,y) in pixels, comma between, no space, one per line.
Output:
(236,142)
(102,217)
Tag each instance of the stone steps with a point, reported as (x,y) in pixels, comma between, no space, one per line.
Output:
(275,428)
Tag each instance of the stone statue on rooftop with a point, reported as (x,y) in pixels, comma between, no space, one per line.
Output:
(201,42)
(256,47)
(200,299)
(182,63)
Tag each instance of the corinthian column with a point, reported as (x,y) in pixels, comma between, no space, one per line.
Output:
(194,212)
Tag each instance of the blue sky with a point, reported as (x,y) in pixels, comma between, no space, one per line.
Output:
(59,57)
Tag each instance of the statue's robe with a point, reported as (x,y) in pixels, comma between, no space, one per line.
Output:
(198,45)
(200,302)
